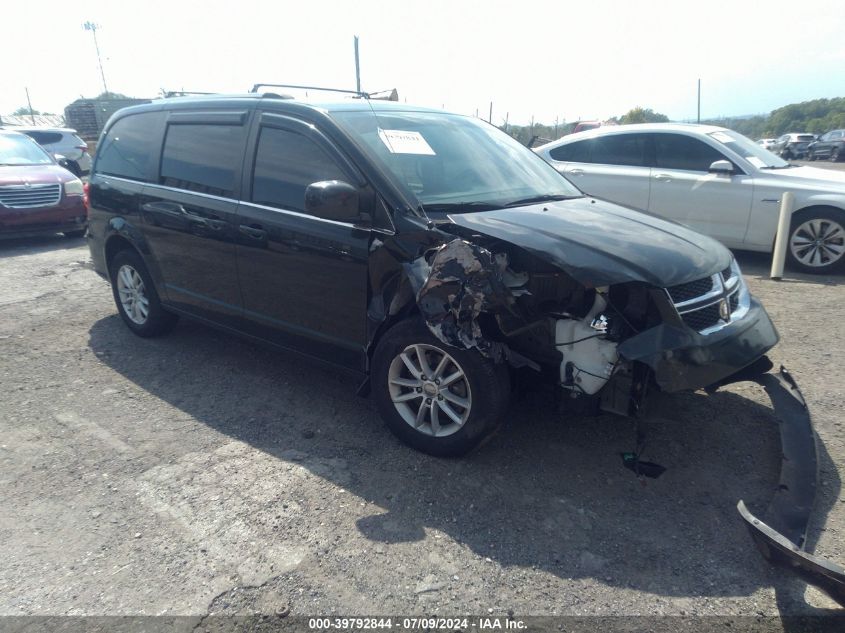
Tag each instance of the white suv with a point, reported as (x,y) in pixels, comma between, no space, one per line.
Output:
(63,141)
(713,180)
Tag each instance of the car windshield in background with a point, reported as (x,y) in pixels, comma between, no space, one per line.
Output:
(749,150)
(21,150)
(453,162)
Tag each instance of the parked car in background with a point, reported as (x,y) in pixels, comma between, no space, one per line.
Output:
(583,126)
(37,196)
(713,180)
(767,143)
(64,142)
(793,145)
(830,146)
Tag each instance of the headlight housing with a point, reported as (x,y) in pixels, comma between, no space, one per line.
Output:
(74,187)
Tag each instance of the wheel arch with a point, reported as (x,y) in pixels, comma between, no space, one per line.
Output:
(816,207)
(122,235)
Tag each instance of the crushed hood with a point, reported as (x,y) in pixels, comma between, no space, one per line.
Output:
(599,243)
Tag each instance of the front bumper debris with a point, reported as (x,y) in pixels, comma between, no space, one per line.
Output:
(684,359)
(781,534)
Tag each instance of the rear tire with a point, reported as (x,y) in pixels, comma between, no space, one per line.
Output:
(446,419)
(74,234)
(817,241)
(136,298)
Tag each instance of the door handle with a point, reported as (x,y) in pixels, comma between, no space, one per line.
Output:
(576,172)
(253,230)
(663,177)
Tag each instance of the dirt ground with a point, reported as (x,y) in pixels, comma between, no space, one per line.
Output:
(198,474)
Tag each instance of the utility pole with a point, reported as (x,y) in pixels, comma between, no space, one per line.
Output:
(91,26)
(357,67)
(698,118)
(29,103)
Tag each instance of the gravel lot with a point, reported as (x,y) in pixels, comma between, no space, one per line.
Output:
(197,474)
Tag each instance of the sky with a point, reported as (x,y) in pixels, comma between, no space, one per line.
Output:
(532,59)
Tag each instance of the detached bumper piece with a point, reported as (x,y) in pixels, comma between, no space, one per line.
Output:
(781,534)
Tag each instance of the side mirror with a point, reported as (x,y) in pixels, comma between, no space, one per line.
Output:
(332,200)
(62,161)
(721,167)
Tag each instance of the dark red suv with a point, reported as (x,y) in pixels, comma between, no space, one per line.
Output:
(37,195)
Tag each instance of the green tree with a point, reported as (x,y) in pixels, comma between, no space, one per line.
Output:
(24,111)
(105,96)
(643,115)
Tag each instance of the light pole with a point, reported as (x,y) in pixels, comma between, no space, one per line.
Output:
(91,26)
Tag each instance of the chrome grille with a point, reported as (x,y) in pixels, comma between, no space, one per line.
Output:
(28,197)
(697,302)
(702,319)
(690,290)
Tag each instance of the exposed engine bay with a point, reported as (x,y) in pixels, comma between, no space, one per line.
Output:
(512,306)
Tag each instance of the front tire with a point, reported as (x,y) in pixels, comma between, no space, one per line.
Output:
(436,398)
(136,298)
(834,155)
(817,241)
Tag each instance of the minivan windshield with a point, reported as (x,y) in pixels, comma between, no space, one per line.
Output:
(453,162)
(749,150)
(18,149)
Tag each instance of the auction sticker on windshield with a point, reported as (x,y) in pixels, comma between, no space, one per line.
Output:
(405,142)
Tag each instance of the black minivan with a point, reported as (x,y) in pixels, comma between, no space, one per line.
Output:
(438,258)
(430,252)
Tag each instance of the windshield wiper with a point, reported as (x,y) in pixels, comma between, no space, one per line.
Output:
(541,198)
(787,166)
(462,206)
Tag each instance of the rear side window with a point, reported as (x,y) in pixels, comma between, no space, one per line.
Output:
(44,138)
(131,147)
(572,152)
(675,151)
(285,164)
(619,149)
(203,158)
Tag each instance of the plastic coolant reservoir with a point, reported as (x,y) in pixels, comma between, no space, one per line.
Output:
(587,363)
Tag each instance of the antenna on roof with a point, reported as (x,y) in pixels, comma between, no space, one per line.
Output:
(357,93)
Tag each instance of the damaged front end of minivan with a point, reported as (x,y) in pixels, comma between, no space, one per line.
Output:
(609,330)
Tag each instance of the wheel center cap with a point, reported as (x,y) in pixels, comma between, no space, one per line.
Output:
(430,389)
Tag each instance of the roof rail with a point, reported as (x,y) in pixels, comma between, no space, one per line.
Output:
(184,93)
(357,93)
